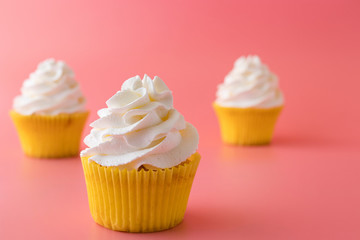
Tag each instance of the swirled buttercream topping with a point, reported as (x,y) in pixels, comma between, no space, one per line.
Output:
(140,127)
(250,84)
(50,90)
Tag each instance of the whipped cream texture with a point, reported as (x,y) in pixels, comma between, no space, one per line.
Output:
(250,84)
(50,90)
(140,127)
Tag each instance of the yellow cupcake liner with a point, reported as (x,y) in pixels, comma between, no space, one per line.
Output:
(50,136)
(247,126)
(139,200)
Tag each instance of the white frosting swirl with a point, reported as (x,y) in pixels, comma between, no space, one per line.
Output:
(141,127)
(50,90)
(250,84)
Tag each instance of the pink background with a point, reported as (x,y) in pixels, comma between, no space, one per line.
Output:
(303,186)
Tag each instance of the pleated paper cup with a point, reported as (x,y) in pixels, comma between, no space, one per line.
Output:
(47,136)
(247,126)
(139,200)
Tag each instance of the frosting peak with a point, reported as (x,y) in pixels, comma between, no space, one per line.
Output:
(250,84)
(50,90)
(140,127)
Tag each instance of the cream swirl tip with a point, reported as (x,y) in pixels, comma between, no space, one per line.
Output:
(140,127)
(50,90)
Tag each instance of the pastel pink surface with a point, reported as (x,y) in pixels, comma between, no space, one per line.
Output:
(303,186)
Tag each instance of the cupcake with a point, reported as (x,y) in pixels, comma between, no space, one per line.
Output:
(248,103)
(141,159)
(50,114)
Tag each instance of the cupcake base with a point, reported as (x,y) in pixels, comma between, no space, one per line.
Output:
(247,126)
(139,200)
(50,136)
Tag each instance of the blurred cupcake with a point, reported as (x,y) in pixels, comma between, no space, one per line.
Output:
(248,103)
(141,159)
(50,114)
